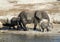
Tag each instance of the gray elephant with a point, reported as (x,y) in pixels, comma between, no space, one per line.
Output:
(26,17)
(39,15)
(32,17)
(45,24)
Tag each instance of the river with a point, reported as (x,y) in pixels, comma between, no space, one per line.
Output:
(24,38)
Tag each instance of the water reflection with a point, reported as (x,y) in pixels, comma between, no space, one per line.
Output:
(24,38)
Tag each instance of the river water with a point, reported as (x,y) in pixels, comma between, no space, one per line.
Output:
(24,38)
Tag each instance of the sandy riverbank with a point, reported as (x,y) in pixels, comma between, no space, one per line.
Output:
(54,32)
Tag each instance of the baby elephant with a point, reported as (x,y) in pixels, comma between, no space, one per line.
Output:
(45,25)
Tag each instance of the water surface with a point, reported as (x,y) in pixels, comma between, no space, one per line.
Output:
(24,38)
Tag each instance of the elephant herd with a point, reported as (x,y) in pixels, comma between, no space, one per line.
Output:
(27,17)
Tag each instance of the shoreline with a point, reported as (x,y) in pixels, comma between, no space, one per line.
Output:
(29,33)
(54,32)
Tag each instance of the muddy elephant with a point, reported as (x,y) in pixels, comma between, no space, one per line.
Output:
(32,17)
(15,21)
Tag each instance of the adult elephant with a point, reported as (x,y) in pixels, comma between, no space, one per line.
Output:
(32,16)
(26,17)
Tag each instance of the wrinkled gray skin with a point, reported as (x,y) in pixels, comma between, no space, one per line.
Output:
(14,22)
(32,17)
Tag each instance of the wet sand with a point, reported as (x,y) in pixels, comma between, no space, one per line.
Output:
(54,32)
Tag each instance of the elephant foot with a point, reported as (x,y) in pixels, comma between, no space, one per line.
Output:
(18,28)
(34,29)
(13,28)
(25,29)
(42,30)
(48,30)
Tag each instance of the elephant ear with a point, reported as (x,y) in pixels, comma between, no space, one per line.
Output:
(38,15)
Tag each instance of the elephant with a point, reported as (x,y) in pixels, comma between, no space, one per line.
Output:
(44,25)
(26,17)
(39,15)
(32,17)
(13,22)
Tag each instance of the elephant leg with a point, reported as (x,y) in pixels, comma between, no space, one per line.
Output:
(50,26)
(42,29)
(18,26)
(35,25)
(9,27)
(13,27)
(47,29)
(24,27)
